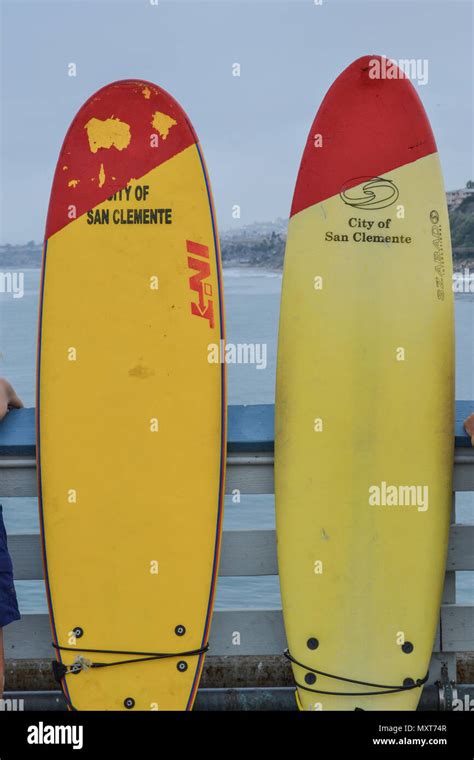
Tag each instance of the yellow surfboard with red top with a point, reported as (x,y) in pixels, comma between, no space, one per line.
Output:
(131,411)
(364,404)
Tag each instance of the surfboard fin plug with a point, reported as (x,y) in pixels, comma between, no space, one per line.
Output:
(80,663)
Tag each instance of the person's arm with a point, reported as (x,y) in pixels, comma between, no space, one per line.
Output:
(8,398)
(469,427)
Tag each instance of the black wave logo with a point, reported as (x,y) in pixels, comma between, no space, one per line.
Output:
(369,192)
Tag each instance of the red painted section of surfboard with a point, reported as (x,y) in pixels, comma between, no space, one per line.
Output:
(87,176)
(369,126)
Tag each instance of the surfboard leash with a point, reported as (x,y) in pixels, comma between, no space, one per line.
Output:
(83,664)
(386,689)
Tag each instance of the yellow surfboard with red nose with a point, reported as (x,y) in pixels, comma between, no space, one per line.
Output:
(131,412)
(364,404)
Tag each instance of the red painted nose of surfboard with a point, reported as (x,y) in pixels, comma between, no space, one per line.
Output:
(370,122)
(121,133)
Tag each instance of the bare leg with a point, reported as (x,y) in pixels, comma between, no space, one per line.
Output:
(2,665)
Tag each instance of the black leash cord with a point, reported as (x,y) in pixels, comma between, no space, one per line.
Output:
(389,689)
(354,693)
(147,656)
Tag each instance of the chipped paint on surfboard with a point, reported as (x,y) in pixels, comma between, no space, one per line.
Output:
(131,298)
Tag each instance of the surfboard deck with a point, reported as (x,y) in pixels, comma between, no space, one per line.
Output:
(131,414)
(365,399)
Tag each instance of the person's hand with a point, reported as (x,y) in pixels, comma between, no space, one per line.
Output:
(469,427)
(8,398)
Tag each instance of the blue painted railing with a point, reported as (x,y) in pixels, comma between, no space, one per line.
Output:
(250,429)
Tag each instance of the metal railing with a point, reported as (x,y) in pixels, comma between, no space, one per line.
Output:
(251,674)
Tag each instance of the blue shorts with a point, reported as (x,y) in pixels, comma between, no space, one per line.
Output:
(8,602)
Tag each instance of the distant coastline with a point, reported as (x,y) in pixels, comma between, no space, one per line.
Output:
(262,245)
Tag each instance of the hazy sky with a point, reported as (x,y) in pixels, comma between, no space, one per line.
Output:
(252,128)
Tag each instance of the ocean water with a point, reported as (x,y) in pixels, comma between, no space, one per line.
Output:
(252,308)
